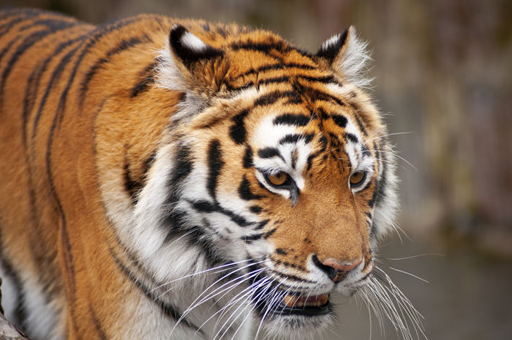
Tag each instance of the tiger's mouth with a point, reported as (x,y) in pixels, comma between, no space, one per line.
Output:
(307,305)
(295,304)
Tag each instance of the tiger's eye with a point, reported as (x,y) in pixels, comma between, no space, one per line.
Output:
(357,178)
(278,179)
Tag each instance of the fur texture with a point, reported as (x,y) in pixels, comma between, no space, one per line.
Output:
(139,162)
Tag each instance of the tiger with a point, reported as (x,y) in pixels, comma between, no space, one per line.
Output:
(181,179)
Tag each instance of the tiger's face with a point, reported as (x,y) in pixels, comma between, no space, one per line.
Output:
(292,192)
(277,176)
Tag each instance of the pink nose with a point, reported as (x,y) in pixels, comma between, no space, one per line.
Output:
(336,270)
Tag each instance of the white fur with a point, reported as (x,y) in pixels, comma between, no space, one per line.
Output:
(168,74)
(41,317)
(9,295)
(268,135)
(193,42)
(353,64)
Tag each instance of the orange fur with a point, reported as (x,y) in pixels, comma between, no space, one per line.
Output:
(68,135)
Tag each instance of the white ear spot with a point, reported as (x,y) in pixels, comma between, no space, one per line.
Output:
(331,42)
(192,42)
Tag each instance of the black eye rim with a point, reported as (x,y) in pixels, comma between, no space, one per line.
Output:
(357,185)
(288,184)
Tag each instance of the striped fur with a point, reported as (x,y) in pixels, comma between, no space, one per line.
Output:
(136,158)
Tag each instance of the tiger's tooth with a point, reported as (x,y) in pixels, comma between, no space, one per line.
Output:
(323,299)
(294,301)
(290,300)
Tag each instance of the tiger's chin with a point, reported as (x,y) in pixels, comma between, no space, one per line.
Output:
(301,315)
(296,315)
(299,322)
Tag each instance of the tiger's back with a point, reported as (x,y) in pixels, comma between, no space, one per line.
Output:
(53,77)
(149,163)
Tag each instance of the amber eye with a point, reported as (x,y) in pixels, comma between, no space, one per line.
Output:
(278,178)
(357,178)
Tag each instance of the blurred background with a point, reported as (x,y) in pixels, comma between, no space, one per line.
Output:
(443,81)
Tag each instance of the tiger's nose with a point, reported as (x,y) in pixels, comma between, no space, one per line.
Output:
(334,269)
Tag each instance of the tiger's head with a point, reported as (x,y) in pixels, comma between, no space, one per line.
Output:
(274,175)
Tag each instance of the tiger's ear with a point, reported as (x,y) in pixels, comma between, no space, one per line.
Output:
(183,62)
(189,48)
(347,56)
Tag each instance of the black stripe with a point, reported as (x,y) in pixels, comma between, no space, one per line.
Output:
(351,137)
(383,182)
(250,238)
(262,47)
(57,72)
(25,44)
(5,28)
(28,42)
(273,67)
(183,165)
(33,83)
(237,130)
(7,11)
(3,52)
(316,95)
(261,224)
(215,164)
(248,158)
(269,153)
(95,37)
(131,186)
(294,138)
(197,236)
(281,251)
(207,207)
(146,78)
(269,233)
(375,196)
(169,309)
(366,152)
(67,256)
(339,120)
(148,163)
(244,190)
(174,220)
(360,124)
(100,62)
(268,47)
(335,141)
(323,142)
(18,16)
(296,119)
(267,81)
(181,169)
(52,24)
(272,97)
(324,79)
(65,241)
(255,209)
(311,157)
(97,324)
